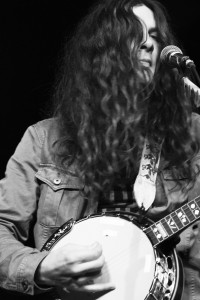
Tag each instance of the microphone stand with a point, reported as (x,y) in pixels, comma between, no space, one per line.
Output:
(191,79)
(188,68)
(194,75)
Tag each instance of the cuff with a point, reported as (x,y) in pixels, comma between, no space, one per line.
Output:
(26,273)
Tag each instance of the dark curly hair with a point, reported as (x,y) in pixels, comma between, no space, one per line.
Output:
(106,108)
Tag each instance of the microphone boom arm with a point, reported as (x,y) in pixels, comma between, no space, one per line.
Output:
(192,88)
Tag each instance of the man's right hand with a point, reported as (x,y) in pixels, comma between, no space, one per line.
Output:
(72,266)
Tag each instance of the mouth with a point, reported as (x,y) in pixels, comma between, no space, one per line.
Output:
(146,62)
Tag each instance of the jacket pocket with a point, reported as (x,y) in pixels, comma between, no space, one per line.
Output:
(60,196)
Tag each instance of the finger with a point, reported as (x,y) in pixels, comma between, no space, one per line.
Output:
(71,281)
(89,253)
(93,288)
(81,281)
(64,281)
(80,253)
(90,267)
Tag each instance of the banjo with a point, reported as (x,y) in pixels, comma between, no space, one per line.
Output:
(138,258)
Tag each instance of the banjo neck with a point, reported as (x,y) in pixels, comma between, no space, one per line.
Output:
(174,223)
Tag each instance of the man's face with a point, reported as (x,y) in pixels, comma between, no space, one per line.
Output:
(149,48)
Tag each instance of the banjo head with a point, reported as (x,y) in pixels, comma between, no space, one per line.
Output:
(130,260)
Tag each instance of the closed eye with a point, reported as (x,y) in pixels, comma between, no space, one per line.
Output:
(156,37)
(153,32)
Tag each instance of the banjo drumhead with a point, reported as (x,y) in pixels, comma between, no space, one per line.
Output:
(129,256)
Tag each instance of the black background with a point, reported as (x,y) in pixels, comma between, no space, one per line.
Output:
(31,37)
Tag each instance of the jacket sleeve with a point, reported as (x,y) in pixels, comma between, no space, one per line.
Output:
(18,203)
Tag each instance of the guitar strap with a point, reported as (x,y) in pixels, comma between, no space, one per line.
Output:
(144,188)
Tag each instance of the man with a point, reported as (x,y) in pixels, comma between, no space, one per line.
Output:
(113,97)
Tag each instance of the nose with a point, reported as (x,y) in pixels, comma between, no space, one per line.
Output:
(147,44)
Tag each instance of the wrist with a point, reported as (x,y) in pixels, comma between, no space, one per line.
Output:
(39,277)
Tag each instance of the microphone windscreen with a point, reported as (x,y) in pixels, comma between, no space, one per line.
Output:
(167,50)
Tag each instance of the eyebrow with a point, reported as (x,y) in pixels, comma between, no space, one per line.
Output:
(153,30)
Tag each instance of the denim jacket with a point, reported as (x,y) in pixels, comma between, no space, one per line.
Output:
(38,195)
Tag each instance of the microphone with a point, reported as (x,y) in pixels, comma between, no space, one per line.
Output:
(173,56)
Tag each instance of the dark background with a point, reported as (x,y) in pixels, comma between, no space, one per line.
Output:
(31,37)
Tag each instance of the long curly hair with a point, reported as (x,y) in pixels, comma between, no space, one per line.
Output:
(104,105)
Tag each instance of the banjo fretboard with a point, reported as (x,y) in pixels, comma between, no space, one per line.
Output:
(174,222)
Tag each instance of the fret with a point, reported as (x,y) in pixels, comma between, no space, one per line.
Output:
(158,232)
(151,235)
(166,226)
(194,208)
(182,217)
(188,212)
(177,221)
(197,200)
(171,223)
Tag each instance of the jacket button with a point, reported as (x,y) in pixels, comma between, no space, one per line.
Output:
(25,285)
(57,180)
